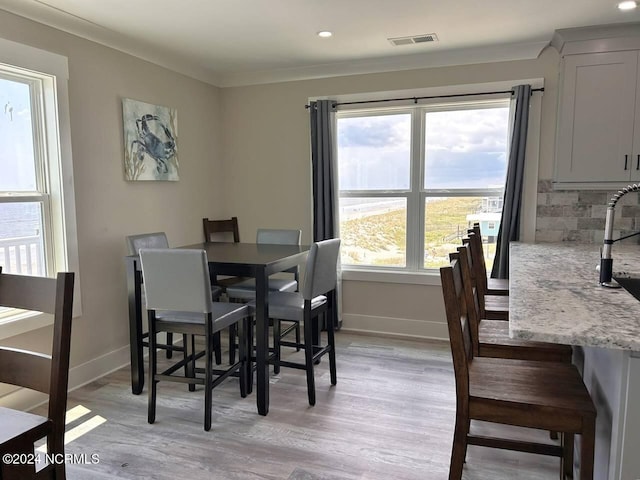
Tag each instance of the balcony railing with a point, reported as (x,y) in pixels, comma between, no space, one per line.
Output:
(22,255)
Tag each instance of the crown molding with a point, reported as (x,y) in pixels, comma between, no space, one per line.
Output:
(42,13)
(443,58)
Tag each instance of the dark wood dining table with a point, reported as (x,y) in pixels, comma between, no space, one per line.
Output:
(236,259)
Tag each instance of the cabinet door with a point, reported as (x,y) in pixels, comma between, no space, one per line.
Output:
(635,164)
(596,115)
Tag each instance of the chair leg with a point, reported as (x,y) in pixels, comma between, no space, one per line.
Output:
(566,461)
(308,354)
(458,451)
(169,344)
(249,366)
(242,353)
(297,336)
(232,344)
(208,372)
(189,366)
(277,332)
(587,447)
(151,412)
(217,347)
(332,352)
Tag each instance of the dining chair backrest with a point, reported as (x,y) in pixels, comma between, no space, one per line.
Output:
(221,230)
(43,373)
(469,301)
(278,236)
(146,240)
(176,279)
(458,325)
(321,272)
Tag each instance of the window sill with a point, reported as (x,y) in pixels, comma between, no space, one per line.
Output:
(23,322)
(382,276)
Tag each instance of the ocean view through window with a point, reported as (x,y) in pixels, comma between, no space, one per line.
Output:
(412,180)
(38,233)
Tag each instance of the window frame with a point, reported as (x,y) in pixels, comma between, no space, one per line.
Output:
(417,194)
(54,173)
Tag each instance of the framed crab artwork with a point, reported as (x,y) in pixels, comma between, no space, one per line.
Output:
(150,141)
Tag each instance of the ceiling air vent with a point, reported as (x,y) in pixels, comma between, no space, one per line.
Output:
(426,38)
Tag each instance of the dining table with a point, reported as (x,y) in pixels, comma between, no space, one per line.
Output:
(235,259)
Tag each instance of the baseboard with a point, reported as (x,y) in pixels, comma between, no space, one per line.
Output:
(80,375)
(394,327)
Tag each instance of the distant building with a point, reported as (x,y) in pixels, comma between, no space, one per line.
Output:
(488,217)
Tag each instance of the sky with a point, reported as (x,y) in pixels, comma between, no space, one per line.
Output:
(463,149)
(17,171)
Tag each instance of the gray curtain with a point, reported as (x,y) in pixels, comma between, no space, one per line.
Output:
(510,221)
(324,183)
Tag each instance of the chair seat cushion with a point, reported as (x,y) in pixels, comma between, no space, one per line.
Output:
(559,388)
(21,425)
(494,341)
(223,314)
(246,290)
(289,305)
(498,286)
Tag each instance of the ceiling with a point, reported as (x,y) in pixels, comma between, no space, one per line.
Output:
(241,42)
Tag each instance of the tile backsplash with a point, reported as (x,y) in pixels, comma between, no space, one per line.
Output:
(578,215)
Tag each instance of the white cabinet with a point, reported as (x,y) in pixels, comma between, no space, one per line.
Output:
(598,132)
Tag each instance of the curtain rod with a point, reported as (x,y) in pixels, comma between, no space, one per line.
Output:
(415,99)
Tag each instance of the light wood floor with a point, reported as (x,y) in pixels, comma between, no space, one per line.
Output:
(390,417)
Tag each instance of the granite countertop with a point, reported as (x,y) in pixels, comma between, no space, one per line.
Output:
(554,296)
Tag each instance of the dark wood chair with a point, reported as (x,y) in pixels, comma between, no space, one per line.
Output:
(495,286)
(225,230)
(539,395)
(221,230)
(44,373)
(490,338)
(492,307)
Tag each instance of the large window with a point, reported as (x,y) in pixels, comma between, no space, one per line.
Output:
(37,211)
(412,180)
(24,192)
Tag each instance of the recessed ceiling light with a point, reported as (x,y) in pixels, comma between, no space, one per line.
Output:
(627,5)
(325,34)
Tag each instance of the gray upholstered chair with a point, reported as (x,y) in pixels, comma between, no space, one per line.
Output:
(146,240)
(306,306)
(246,291)
(178,286)
(159,240)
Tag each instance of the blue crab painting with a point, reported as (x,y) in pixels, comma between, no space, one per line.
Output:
(151,151)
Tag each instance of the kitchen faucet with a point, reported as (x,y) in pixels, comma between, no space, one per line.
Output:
(606,262)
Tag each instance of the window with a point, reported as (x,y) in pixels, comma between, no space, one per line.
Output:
(25,201)
(412,180)
(37,211)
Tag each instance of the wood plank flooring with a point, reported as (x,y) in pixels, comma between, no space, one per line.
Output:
(390,417)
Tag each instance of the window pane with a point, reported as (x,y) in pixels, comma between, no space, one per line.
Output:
(17,162)
(374,152)
(21,239)
(466,148)
(373,231)
(447,220)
